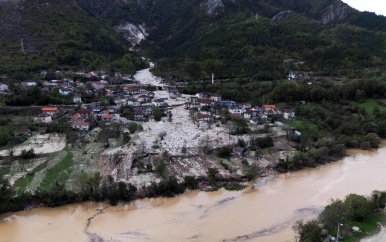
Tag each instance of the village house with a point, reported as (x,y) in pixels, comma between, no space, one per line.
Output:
(104,113)
(64,91)
(228,103)
(100,92)
(76,118)
(269,107)
(28,84)
(174,93)
(235,110)
(82,126)
(204,117)
(77,98)
(159,103)
(216,98)
(205,102)
(250,113)
(148,110)
(50,110)
(107,118)
(3,87)
(288,114)
(133,102)
(43,118)
(98,85)
(87,91)
(200,95)
(143,98)
(246,106)
(139,115)
(189,105)
(84,114)
(78,83)
(240,151)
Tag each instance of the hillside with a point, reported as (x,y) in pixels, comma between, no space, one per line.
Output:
(191,39)
(58,34)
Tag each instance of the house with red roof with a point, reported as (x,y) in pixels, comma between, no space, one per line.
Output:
(50,110)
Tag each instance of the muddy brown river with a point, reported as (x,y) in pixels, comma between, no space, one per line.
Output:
(263,213)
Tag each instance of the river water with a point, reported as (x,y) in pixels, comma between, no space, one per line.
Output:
(264,213)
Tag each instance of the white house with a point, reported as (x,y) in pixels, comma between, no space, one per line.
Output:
(236,110)
(3,87)
(77,98)
(133,102)
(64,91)
(216,98)
(143,98)
(83,126)
(159,103)
(288,114)
(29,84)
(204,117)
(43,118)
(200,95)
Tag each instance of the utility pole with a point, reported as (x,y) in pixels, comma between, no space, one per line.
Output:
(22,50)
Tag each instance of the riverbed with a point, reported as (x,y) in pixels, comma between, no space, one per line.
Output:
(264,212)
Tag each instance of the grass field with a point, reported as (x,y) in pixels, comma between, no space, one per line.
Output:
(370,104)
(25,181)
(368,227)
(301,125)
(59,172)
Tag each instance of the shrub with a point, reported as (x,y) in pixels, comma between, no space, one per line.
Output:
(224,152)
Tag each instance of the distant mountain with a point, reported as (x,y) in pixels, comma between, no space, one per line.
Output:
(190,39)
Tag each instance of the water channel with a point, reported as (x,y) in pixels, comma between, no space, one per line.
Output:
(264,213)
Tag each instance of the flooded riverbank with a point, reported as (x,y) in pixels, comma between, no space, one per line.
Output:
(264,213)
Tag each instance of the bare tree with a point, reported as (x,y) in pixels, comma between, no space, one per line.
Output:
(205,144)
(142,149)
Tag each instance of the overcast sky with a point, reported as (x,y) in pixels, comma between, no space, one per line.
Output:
(377,6)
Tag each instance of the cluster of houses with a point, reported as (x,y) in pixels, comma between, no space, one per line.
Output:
(212,108)
(97,83)
(81,118)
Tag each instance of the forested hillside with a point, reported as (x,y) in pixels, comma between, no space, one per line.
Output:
(40,34)
(191,39)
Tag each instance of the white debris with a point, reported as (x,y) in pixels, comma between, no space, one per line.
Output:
(41,144)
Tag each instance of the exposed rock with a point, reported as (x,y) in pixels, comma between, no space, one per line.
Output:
(133,33)
(282,15)
(213,7)
(335,12)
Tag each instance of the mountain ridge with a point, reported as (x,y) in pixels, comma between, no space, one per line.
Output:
(201,36)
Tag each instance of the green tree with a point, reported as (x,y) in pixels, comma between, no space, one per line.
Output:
(157,113)
(251,172)
(358,207)
(89,184)
(191,182)
(334,213)
(309,231)
(161,168)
